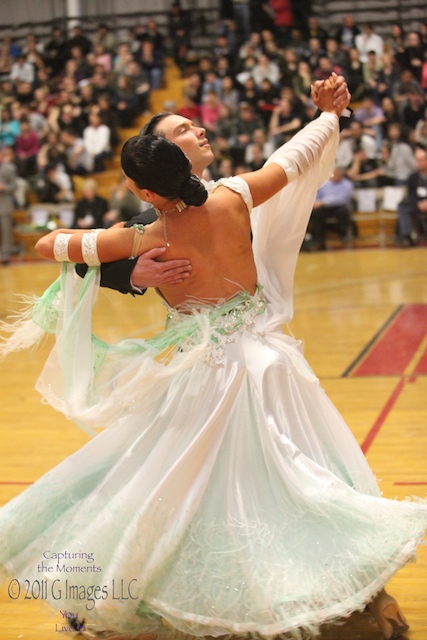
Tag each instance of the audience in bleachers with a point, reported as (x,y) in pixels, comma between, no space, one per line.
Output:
(90,209)
(397,156)
(332,207)
(8,175)
(412,211)
(55,186)
(122,204)
(64,98)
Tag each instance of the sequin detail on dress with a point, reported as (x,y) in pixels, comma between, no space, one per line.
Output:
(224,321)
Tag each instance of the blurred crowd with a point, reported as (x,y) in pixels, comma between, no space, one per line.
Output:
(253,93)
(64,100)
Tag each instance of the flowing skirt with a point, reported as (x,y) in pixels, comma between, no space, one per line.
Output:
(226,497)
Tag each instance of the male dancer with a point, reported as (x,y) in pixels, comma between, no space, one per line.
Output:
(136,275)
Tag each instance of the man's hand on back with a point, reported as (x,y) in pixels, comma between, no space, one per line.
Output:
(148,272)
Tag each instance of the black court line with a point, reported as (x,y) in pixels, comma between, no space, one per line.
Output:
(372,342)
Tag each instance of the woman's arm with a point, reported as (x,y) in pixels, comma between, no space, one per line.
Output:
(115,243)
(292,159)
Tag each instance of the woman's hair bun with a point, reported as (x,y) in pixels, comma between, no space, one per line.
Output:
(192,191)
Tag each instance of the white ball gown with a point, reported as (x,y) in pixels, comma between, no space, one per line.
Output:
(225,494)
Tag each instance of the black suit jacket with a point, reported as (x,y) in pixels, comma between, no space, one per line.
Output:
(417,188)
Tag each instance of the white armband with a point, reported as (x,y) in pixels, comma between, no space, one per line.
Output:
(288,166)
(140,290)
(60,247)
(89,248)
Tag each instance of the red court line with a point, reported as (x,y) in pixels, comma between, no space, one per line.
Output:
(4,483)
(398,344)
(383,416)
(405,484)
(421,367)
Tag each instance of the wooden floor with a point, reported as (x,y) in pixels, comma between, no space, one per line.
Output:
(363,317)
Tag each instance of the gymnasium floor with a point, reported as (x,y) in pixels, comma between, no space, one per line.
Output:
(363,318)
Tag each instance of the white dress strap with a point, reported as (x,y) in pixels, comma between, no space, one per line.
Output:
(239,185)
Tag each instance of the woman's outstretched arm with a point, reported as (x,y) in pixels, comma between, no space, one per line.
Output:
(293,158)
(92,247)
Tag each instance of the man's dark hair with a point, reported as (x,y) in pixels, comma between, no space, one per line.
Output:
(151,125)
(70,131)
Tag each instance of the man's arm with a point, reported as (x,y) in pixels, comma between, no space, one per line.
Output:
(114,275)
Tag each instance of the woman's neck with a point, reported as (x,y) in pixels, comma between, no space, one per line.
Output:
(163,206)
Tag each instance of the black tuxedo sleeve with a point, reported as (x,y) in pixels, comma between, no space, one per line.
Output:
(117,275)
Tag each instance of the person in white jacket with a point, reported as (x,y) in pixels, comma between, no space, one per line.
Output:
(96,138)
(368,41)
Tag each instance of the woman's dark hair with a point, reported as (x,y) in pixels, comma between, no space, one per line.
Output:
(158,164)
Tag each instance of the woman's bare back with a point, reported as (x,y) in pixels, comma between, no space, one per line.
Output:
(216,240)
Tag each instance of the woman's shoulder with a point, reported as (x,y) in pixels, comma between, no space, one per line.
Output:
(239,186)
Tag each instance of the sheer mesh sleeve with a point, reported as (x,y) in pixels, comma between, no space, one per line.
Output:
(280,223)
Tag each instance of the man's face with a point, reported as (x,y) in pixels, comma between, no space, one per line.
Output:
(190,138)
(394,132)
(94,120)
(421,159)
(413,39)
(356,130)
(314,44)
(8,155)
(331,45)
(325,64)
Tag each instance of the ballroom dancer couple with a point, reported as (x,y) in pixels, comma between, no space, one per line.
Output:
(224,489)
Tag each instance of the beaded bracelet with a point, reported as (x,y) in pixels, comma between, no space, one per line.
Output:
(139,232)
(89,248)
(60,247)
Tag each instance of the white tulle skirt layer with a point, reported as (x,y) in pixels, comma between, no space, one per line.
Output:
(233,501)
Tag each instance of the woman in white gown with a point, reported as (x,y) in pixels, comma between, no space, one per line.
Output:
(225,494)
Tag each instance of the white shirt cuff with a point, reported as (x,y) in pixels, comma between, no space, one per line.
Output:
(134,288)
